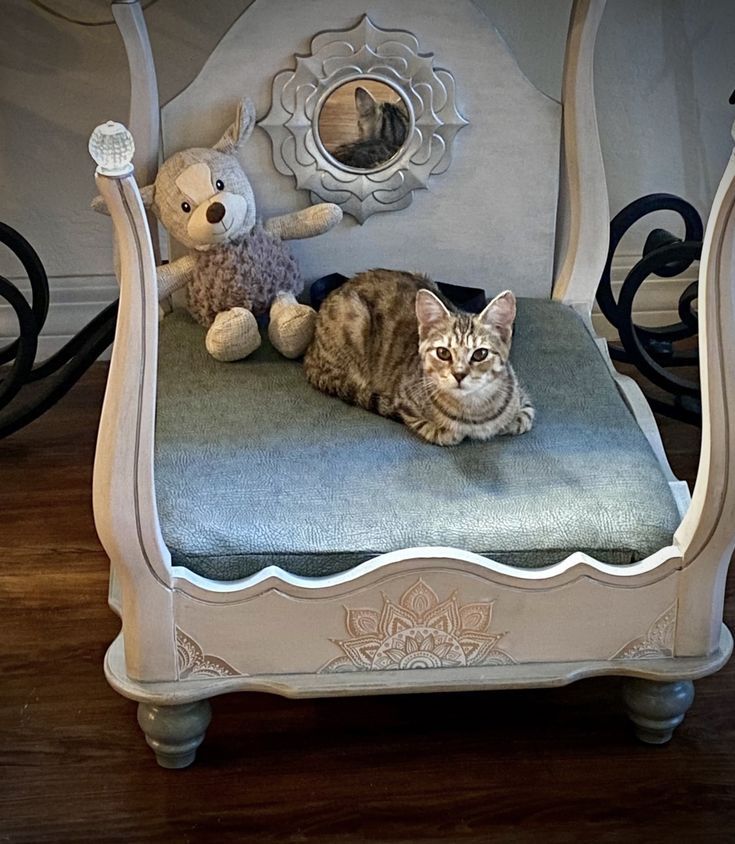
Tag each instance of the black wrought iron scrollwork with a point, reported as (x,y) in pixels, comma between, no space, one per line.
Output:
(652,350)
(28,390)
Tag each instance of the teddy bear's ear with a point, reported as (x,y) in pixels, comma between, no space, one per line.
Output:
(240,130)
(146,194)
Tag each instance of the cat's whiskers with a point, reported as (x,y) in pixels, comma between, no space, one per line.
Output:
(425,388)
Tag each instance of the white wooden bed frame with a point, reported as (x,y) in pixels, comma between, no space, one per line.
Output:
(185,639)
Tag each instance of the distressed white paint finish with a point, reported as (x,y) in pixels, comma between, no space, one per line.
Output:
(583,211)
(476,219)
(276,622)
(535,676)
(707,534)
(144,121)
(289,630)
(124,500)
(145,113)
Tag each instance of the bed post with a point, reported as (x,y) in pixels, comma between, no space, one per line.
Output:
(583,219)
(125,510)
(707,533)
(144,120)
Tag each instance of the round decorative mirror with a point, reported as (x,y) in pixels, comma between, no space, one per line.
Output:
(364,120)
(363,124)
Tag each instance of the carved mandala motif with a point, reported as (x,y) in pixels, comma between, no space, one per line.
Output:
(419,632)
(340,56)
(658,641)
(194,663)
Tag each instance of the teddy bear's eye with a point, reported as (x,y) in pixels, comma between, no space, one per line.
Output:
(219,184)
(185,207)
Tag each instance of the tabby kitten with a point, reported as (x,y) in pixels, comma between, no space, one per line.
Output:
(389,342)
(380,120)
(382,128)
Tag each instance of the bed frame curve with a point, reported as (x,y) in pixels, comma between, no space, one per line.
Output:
(185,638)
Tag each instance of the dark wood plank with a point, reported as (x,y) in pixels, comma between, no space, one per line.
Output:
(552,766)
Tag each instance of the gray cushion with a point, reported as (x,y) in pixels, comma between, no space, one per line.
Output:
(255,468)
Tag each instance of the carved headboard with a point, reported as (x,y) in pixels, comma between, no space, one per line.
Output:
(490,219)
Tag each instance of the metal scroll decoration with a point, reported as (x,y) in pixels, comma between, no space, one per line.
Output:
(28,389)
(363,52)
(653,350)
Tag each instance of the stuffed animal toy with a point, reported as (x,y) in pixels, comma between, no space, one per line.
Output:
(237,268)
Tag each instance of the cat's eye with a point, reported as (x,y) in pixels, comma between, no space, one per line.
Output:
(479,354)
(442,353)
(219,184)
(185,207)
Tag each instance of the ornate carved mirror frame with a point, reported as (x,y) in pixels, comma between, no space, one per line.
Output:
(341,56)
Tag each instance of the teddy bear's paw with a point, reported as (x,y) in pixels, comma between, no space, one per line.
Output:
(233,335)
(326,215)
(291,327)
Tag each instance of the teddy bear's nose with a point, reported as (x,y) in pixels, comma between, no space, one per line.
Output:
(215,212)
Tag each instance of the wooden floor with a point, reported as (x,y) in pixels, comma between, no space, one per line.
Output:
(543,767)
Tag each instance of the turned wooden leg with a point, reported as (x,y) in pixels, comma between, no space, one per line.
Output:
(656,708)
(175,732)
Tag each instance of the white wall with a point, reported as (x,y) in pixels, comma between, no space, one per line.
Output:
(664,71)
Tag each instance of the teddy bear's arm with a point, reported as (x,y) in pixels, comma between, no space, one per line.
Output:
(173,276)
(308,222)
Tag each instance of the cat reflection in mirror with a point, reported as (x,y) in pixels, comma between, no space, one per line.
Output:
(390,342)
(382,127)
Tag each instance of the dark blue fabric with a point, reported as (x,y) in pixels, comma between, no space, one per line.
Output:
(470,299)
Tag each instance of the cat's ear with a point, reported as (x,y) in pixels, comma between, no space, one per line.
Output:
(364,102)
(402,107)
(500,314)
(429,309)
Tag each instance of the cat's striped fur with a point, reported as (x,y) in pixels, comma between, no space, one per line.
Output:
(382,127)
(381,119)
(381,340)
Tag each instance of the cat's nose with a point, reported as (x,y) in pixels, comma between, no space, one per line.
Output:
(215,212)
(460,375)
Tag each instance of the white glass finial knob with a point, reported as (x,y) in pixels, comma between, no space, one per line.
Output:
(112,147)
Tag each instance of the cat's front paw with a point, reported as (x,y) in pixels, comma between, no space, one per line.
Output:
(523,421)
(436,434)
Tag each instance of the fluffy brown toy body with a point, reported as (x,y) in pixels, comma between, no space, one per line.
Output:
(224,276)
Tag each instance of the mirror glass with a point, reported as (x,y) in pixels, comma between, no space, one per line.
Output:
(364,123)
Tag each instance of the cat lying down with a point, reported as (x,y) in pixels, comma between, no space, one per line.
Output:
(391,343)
